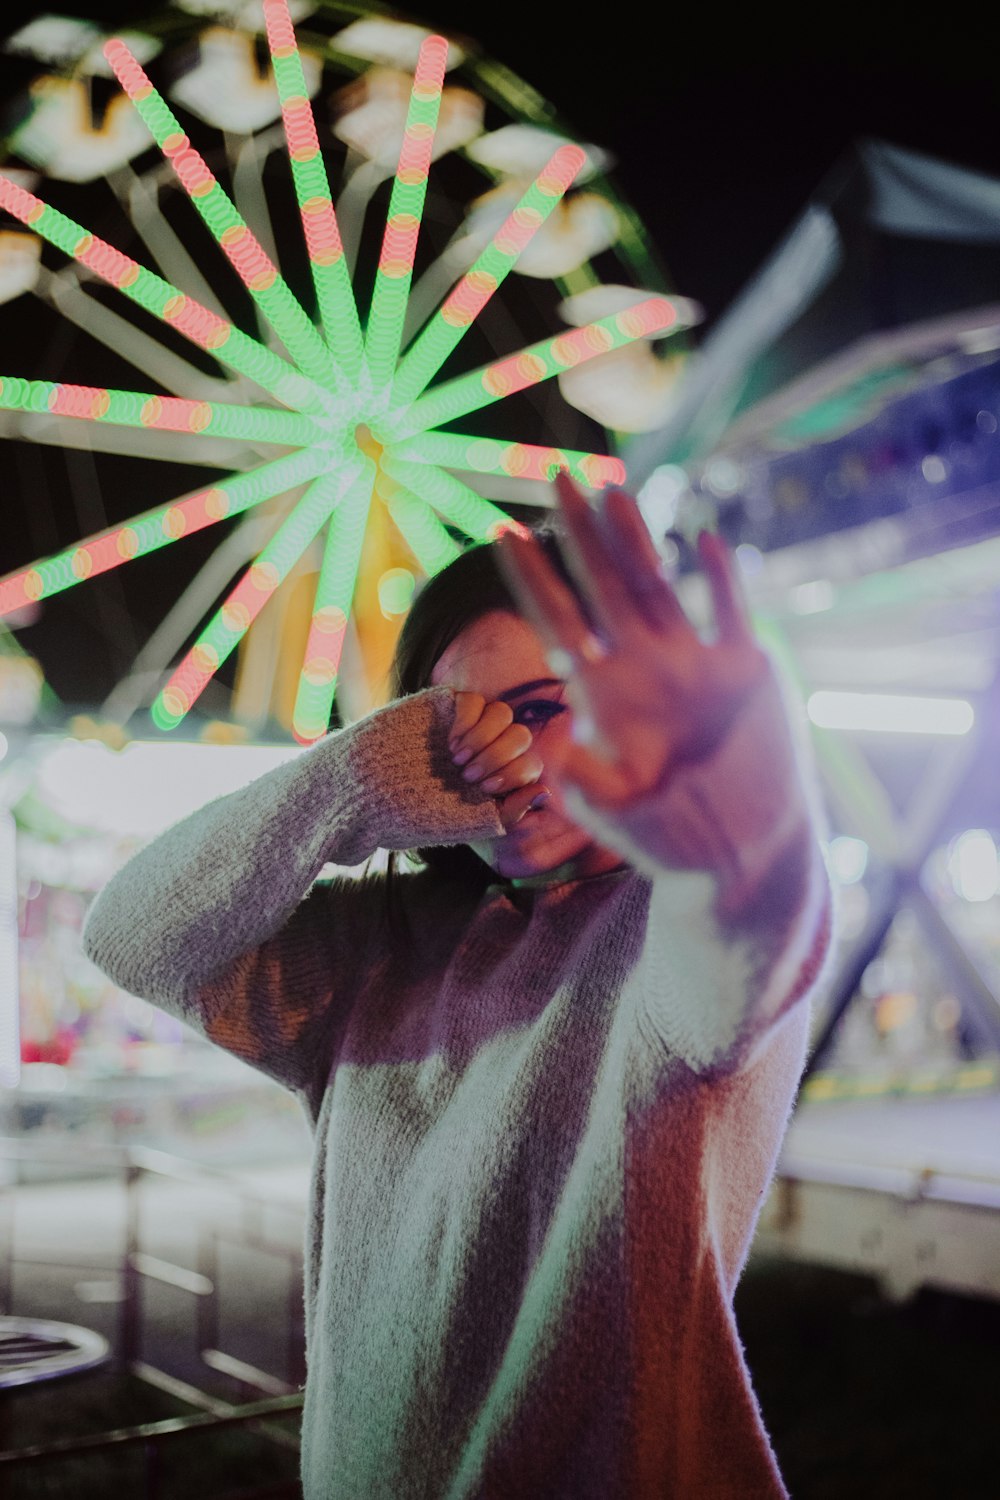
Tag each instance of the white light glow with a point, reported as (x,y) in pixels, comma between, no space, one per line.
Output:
(10,1020)
(973,866)
(227,88)
(848,859)
(812,598)
(59,135)
(394,44)
(888,713)
(147,786)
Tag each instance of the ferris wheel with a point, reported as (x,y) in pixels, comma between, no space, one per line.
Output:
(355,276)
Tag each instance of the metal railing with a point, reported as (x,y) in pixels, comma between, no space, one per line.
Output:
(273,1396)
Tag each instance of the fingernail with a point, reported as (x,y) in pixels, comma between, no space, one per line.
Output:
(461,756)
(471,773)
(539,799)
(492,783)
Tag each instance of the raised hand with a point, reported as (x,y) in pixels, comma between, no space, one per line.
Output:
(648,693)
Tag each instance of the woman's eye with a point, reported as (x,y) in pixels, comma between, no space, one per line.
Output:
(537,713)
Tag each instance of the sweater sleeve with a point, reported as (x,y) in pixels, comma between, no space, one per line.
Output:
(217,920)
(741,912)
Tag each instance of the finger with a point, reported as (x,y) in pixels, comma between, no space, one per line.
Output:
(523,799)
(511,746)
(468,709)
(545,600)
(640,563)
(494,719)
(590,560)
(596,780)
(732,612)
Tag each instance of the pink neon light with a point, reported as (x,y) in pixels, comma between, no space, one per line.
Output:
(79,401)
(280,32)
(121,270)
(582,343)
(322,233)
(200,325)
(174,414)
(325,645)
(559,172)
(300,128)
(468,299)
(130,75)
(428,76)
(599,471)
(248,257)
(190,167)
(415,155)
(503,528)
(17,201)
(238,613)
(650,316)
(513,374)
(399,247)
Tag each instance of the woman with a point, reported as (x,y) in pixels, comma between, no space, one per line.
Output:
(548,1082)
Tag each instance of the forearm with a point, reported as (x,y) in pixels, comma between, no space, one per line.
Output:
(740,921)
(230,876)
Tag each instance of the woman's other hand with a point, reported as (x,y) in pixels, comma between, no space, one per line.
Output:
(496,754)
(648,693)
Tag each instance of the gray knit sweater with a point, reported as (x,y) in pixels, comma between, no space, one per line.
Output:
(545,1114)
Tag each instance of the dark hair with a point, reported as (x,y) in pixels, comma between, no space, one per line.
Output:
(468,588)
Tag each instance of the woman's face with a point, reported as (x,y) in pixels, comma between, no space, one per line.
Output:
(501,657)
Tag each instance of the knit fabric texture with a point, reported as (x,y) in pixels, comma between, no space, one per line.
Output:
(546,1114)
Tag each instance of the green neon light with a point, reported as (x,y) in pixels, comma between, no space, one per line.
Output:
(171,414)
(158,528)
(467,393)
(331,611)
(233,619)
(339,393)
(406,206)
(423,533)
(327,263)
(463,305)
(522,460)
(151,292)
(480,519)
(258,272)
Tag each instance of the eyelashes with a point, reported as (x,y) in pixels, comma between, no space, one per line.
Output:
(538,712)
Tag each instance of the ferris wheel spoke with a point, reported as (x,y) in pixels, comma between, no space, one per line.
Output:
(523,460)
(150,291)
(244,251)
(233,619)
(158,446)
(332,610)
(467,393)
(140,203)
(140,684)
(429,541)
(406,206)
(140,349)
(450,497)
(158,528)
(464,304)
(244,156)
(327,262)
(164,413)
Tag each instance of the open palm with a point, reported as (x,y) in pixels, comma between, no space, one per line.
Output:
(649,693)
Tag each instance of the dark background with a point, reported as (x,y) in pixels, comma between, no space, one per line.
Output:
(720,130)
(722,125)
